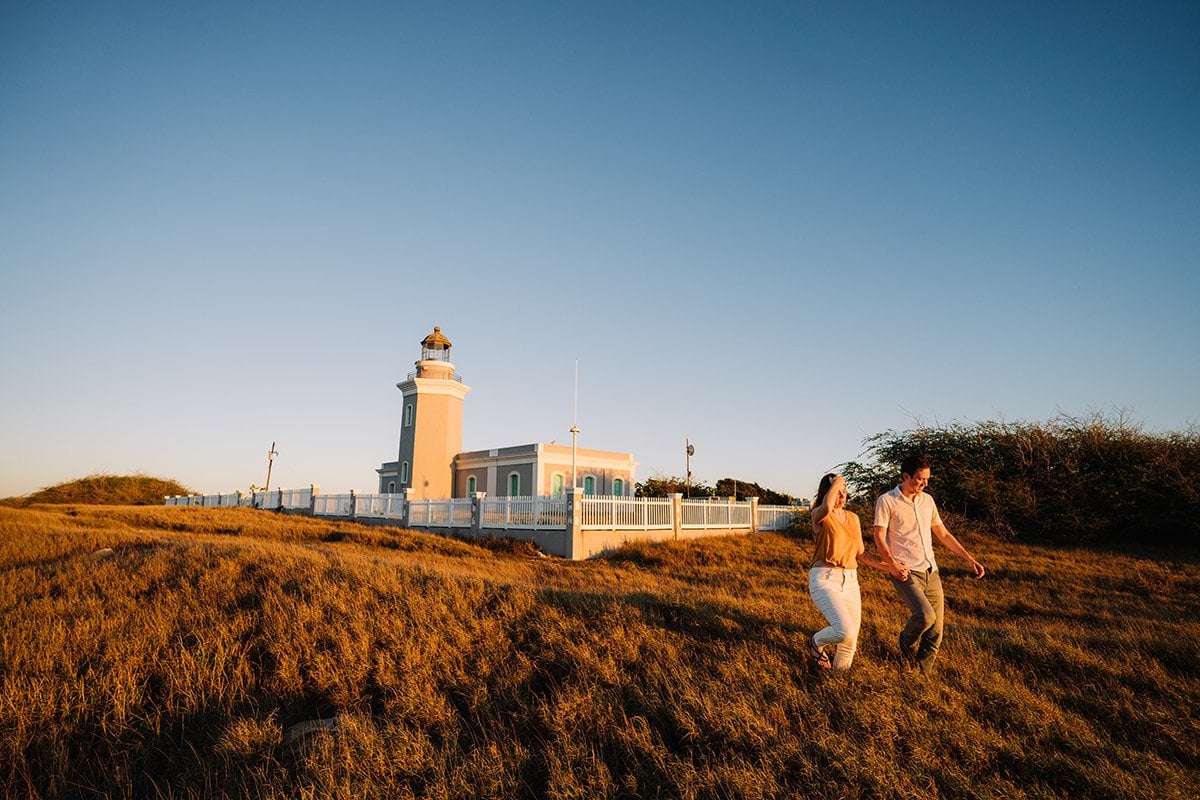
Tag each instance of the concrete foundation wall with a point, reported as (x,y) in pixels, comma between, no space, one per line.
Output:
(598,542)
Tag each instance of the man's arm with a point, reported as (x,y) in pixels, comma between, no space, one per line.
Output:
(945,537)
(890,564)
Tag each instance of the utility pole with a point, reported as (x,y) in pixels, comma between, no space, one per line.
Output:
(270,458)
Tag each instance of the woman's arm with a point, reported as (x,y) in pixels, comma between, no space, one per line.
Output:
(821,510)
(872,561)
(816,516)
(864,558)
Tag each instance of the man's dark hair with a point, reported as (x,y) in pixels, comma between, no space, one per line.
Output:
(910,465)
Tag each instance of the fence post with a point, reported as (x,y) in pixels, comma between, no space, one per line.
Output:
(406,517)
(754,515)
(312,499)
(353,502)
(574,542)
(676,512)
(477,513)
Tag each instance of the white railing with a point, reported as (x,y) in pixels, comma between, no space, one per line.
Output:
(524,512)
(456,377)
(296,498)
(276,498)
(623,513)
(379,506)
(453,513)
(777,518)
(269,500)
(505,513)
(333,505)
(708,514)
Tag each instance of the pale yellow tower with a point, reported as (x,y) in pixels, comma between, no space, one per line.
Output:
(431,422)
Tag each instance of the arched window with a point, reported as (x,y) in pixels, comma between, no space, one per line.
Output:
(618,487)
(471,486)
(391,487)
(514,485)
(589,485)
(557,482)
(403,473)
(408,415)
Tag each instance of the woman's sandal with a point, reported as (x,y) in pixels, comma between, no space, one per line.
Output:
(819,656)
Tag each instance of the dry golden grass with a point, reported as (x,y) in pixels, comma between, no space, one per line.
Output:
(125,490)
(173,667)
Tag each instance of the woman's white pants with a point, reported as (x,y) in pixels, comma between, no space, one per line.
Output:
(835,593)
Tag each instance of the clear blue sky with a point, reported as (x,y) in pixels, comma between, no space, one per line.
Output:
(773,228)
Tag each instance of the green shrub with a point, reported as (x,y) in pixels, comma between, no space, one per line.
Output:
(1079,478)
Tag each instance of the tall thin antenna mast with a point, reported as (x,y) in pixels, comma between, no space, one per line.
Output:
(575,425)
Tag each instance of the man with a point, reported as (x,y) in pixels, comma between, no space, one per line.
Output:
(906,520)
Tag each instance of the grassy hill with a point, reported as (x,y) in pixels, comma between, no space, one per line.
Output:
(173,665)
(115,490)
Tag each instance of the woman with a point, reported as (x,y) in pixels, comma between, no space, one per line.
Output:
(833,578)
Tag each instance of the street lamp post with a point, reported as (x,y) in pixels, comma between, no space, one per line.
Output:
(574,424)
(691,451)
(574,434)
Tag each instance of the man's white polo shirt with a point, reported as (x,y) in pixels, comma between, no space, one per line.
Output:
(909,525)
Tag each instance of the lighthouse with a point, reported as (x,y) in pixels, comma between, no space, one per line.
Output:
(430,425)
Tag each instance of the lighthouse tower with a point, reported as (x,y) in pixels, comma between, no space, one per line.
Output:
(430,425)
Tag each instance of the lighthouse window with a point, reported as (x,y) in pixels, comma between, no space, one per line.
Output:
(471,486)
(404,473)
(514,485)
(408,415)
(618,487)
(589,485)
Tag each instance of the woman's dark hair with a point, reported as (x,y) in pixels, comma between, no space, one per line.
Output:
(823,488)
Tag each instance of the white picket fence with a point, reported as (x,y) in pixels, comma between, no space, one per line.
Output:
(710,514)
(374,506)
(453,513)
(524,513)
(625,513)
(777,518)
(509,513)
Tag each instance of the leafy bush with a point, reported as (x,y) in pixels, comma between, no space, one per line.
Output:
(661,486)
(1076,478)
(734,487)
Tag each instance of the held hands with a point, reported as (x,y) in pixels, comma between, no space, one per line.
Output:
(898,571)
